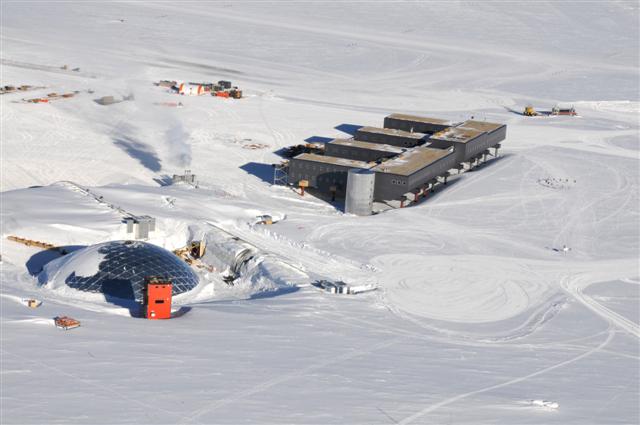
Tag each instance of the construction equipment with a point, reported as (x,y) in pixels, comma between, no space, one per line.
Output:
(192,253)
(157,298)
(557,110)
(529,111)
(166,83)
(66,322)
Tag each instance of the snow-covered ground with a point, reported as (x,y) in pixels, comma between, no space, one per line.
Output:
(479,314)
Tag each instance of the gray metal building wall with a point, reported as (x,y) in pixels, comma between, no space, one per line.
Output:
(498,135)
(393,186)
(413,126)
(474,147)
(460,148)
(320,175)
(389,139)
(390,186)
(438,168)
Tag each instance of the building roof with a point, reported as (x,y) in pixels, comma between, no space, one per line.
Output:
(457,134)
(481,125)
(412,160)
(324,159)
(381,147)
(416,118)
(392,132)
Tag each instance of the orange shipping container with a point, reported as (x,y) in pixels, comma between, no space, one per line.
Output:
(157,299)
(222,94)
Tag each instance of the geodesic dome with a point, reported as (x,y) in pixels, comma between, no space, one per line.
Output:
(118,269)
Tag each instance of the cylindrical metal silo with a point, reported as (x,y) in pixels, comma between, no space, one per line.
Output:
(360,186)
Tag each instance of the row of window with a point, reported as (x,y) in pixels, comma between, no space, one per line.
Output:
(394,142)
(319,179)
(357,153)
(332,180)
(316,167)
(335,179)
(353,154)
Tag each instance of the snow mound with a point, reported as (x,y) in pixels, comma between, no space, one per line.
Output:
(266,277)
(84,263)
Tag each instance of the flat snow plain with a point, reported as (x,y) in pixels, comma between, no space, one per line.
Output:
(478,311)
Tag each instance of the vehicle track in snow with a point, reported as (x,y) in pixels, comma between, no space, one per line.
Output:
(575,286)
(462,288)
(576,209)
(457,338)
(530,325)
(45,68)
(150,409)
(433,407)
(263,386)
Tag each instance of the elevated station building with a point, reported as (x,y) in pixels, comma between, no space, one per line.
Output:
(390,136)
(322,171)
(470,139)
(408,156)
(416,124)
(361,151)
(411,170)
